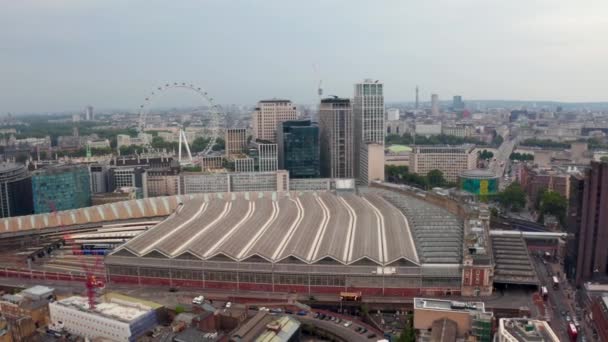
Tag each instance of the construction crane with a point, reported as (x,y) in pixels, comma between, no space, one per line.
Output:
(92,281)
(91,273)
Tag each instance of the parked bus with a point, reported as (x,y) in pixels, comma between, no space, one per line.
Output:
(544,292)
(555,283)
(572,332)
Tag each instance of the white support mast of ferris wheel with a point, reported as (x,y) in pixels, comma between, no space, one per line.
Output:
(182,135)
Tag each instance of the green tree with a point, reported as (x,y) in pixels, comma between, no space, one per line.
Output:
(553,203)
(521,156)
(498,140)
(513,197)
(435,178)
(127,150)
(408,334)
(544,143)
(485,155)
(400,175)
(199,144)
(220,145)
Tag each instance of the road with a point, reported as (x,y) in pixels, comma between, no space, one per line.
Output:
(560,300)
(349,334)
(501,160)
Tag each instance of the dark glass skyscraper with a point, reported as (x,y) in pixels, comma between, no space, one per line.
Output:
(591,201)
(298,145)
(15,190)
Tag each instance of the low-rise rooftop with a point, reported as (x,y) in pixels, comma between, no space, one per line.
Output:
(526,330)
(117,309)
(448,305)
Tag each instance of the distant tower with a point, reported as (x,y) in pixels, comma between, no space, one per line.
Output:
(268,114)
(368,114)
(416,97)
(435,104)
(336,138)
(88,113)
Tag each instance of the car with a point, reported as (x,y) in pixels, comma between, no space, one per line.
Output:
(363,331)
(228,305)
(302,313)
(327,318)
(568,318)
(253,307)
(289,312)
(322,316)
(198,300)
(263,308)
(315,315)
(337,321)
(333,319)
(359,329)
(348,324)
(172,289)
(372,335)
(276,310)
(563,312)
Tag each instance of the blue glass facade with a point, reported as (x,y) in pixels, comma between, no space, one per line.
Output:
(298,143)
(61,188)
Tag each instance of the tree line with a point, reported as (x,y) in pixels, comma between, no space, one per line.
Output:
(400,174)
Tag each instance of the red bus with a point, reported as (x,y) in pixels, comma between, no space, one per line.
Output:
(572,332)
(544,292)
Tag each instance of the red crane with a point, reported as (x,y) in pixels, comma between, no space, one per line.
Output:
(94,278)
(93,275)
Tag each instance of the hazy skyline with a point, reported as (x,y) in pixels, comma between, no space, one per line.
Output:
(64,54)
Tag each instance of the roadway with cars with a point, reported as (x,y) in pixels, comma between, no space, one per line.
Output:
(560,303)
(501,161)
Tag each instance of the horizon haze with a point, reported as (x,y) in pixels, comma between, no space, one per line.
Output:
(65,54)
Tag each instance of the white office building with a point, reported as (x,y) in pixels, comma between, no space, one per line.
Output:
(392,114)
(268,115)
(435,104)
(428,129)
(450,160)
(244,165)
(268,157)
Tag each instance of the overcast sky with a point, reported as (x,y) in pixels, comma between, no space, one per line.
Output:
(64,54)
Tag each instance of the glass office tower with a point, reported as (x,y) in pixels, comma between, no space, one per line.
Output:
(298,143)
